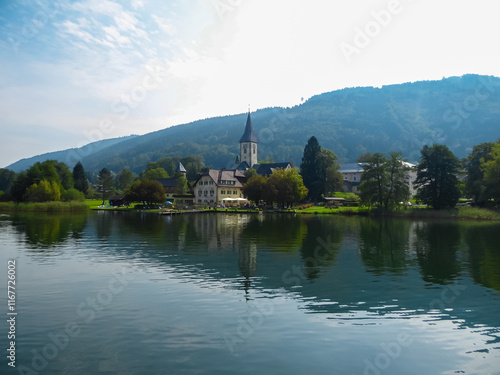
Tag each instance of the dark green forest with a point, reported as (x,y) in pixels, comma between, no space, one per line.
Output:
(459,112)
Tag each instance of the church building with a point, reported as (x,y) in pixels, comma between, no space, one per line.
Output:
(249,152)
(219,186)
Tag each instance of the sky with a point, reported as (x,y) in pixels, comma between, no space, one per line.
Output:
(73,72)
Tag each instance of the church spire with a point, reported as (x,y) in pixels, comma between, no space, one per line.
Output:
(248,144)
(249,135)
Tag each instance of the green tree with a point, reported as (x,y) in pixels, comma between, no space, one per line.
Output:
(255,188)
(375,178)
(491,171)
(285,186)
(148,191)
(250,172)
(399,190)
(34,175)
(437,179)
(384,181)
(153,172)
(266,161)
(72,195)
(43,191)
(182,184)
(43,171)
(334,181)
(6,179)
(475,185)
(65,175)
(311,169)
(105,184)
(124,179)
(20,185)
(80,180)
(330,174)
(193,165)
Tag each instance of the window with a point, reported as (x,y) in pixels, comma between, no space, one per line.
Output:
(205,182)
(211,192)
(254,149)
(223,192)
(211,182)
(211,201)
(199,200)
(235,192)
(199,192)
(206,192)
(354,178)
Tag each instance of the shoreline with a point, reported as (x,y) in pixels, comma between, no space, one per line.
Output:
(458,213)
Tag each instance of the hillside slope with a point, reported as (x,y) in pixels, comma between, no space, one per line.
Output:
(458,111)
(70,156)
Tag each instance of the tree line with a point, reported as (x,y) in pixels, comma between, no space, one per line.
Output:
(52,180)
(441,179)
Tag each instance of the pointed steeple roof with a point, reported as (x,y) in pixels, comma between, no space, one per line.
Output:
(180,168)
(248,135)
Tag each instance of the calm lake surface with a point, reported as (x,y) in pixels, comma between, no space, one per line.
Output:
(131,293)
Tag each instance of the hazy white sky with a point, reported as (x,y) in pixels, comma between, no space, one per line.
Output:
(78,71)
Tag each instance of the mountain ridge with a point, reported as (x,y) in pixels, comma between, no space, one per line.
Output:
(457,111)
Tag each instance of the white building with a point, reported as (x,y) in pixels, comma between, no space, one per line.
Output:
(352,177)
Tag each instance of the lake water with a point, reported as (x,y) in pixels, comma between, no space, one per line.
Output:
(131,293)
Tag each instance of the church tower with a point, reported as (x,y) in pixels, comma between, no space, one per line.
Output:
(248,144)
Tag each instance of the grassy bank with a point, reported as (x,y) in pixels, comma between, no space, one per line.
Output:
(73,206)
(464,213)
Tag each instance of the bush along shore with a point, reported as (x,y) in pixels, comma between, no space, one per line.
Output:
(464,213)
(56,206)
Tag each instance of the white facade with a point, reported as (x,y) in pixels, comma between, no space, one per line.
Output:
(248,153)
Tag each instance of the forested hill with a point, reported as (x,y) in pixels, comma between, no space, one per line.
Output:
(459,112)
(68,156)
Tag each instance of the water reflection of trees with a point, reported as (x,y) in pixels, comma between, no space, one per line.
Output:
(385,245)
(42,231)
(321,245)
(484,254)
(437,245)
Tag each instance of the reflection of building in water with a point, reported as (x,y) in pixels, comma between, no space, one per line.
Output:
(220,231)
(225,232)
(247,262)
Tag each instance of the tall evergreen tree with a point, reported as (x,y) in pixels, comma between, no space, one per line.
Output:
(375,180)
(105,184)
(437,179)
(384,181)
(311,169)
(79,178)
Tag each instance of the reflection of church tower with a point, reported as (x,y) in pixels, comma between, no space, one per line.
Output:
(248,144)
(247,262)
